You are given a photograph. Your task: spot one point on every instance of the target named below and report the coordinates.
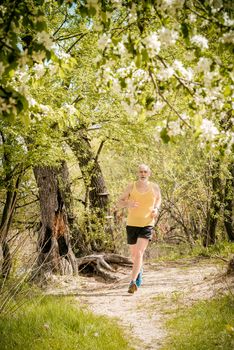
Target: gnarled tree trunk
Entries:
(97, 197)
(55, 252)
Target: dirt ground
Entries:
(166, 286)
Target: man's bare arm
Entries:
(158, 200)
(123, 201)
(158, 197)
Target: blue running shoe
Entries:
(139, 278)
(132, 287)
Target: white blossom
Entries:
(203, 64)
(227, 38)
(116, 86)
(70, 109)
(4, 107)
(132, 17)
(121, 48)
(200, 41)
(38, 56)
(167, 36)
(187, 73)
(131, 111)
(122, 72)
(158, 130)
(158, 106)
(209, 130)
(174, 128)
(63, 55)
(39, 70)
(45, 39)
(31, 101)
(103, 41)
(152, 43)
(23, 76)
(44, 108)
(227, 20)
(53, 69)
(184, 116)
(166, 73)
(192, 18)
(140, 76)
(231, 137)
(174, 4)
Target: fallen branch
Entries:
(100, 265)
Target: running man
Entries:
(143, 200)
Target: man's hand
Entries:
(154, 213)
(132, 204)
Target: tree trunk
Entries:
(230, 269)
(215, 205)
(91, 172)
(97, 196)
(13, 175)
(55, 252)
(229, 204)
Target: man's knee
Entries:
(139, 253)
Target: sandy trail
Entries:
(165, 287)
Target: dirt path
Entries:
(165, 287)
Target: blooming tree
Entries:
(168, 61)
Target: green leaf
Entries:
(185, 30)
(122, 83)
(197, 120)
(144, 55)
(227, 91)
(149, 102)
(92, 11)
(164, 135)
(25, 119)
(41, 26)
(138, 60)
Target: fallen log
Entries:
(104, 265)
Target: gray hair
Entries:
(145, 166)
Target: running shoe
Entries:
(132, 287)
(139, 278)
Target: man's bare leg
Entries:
(137, 252)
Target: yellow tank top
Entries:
(141, 215)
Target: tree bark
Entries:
(215, 205)
(13, 175)
(91, 172)
(55, 252)
(97, 196)
(229, 204)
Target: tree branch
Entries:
(165, 100)
(99, 150)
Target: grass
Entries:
(55, 323)
(207, 325)
(172, 252)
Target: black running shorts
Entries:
(133, 232)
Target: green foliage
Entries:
(57, 323)
(207, 325)
(221, 248)
(123, 73)
(165, 252)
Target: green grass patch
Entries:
(57, 323)
(208, 325)
(173, 252)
